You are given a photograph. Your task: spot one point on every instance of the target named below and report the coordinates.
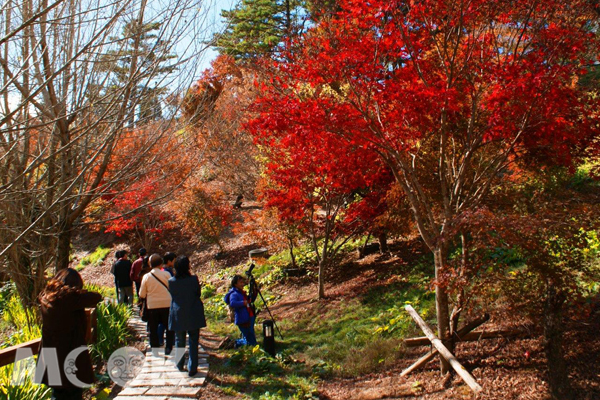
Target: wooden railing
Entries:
(8, 355)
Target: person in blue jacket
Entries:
(186, 315)
(244, 311)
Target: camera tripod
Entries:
(255, 289)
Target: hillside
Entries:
(332, 348)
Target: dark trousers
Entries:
(192, 352)
(159, 316)
(137, 289)
(71, 393)
(125, 295)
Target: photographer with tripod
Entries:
(245, 313)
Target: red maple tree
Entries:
(449, 94)
(135, 211)
(330, 190)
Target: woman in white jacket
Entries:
(155, 290)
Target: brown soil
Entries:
(500, 366)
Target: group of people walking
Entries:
(168, 291)
(169, 296)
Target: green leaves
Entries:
(256, 27)
(113, 331)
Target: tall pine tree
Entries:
(258, 27)
(144, 41)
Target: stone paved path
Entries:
(159, 379)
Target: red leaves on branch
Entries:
(133, 211)
(449, 95)
(446, 95)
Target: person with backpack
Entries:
(155, 291)
(243, 310)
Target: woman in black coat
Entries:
(187, 313)
(63, 303)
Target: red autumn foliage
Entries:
(147, 165)
(449, 95)
(330, 190)
(133, 211)
(203, 212)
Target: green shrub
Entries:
(304, 256)
(113, 331)
(208, 290)
(255, 361)
(24, 321)
(271, 378)
(108, 292)
(94, 258)
(18, 385)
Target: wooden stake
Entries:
(458, 336)
(431, 354)
(467, 337)
(471, 325)
(444, 352)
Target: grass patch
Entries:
(305, 256)
(16, 383)
(252, 372)
(344, 339)
(359, 335)
(94, 258)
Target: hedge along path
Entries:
(159, 378)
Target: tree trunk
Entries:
(63, 250)
(442, 308)
(145, 238)
(23, 281)
(362, 249)
(383, 246)
(292, 256)
(460, 298)
(558, 376)
(322, 279)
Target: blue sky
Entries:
(214, 10)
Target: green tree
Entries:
(144, 43)
(257, 27)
